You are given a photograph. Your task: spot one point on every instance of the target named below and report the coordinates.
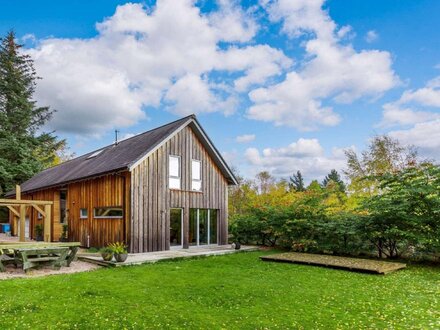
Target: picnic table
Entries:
(31, 254)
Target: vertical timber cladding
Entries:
(151, 198)
(109, 190)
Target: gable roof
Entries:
(123, 156)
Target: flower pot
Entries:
(237, 245)
(107, 256)
(121, 257)
(39, 238)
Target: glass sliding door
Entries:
(212, 226)
(193, 227)
(176, 221)
(202, 226)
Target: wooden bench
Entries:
(31, 255)
(6, 259)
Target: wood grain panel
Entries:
(152, 198)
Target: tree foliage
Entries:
(406, 212)
(24, 148)
(334, 176)
(399, 216)
(383, 155)
(296, 182)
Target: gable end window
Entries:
(196, 175)
(174, 172)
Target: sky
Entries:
(279, 85)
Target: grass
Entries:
(224, 292)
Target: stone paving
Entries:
(149, 257)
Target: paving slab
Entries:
(150, 257)
(353, 264)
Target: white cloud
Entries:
(231, 23)
(425, 136)
(406, 110)
(418, 110)
(371, 36)
(150, 56)
(331, 71)
(427, 96)
(258, 62)
(394, 115)
(246, 138)
(306, 155)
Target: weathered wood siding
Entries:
(152, 199)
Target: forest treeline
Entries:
(388, 206)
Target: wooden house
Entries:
(165, 188)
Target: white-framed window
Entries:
(83, 213)
(112, 212)
(196, 175)
(174, 172)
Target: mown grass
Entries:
(231, 292)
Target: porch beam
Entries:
(16, 213)
(35, 206)
(16, 202)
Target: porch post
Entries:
(47, 222)
(22, 223)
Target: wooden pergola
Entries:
(19, 207)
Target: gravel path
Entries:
(75, 267)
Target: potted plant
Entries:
(39, 233)
(119, 250)
(236, 237)
(63, 237)
(106, 253)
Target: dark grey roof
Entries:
(111, 159)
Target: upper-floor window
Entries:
(174, 172)
(196, 175)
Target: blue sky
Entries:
(278, 85)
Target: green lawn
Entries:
(232, 292)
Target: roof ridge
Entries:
(109, 145)
(153, 129)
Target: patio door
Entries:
(202, 227)
(176, 224)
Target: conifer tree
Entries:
(297, 182)
(336, 178)
(24, 148)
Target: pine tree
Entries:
(24, 149)
(336, 178)
(297, 182)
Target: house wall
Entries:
(109, 190)
(152, 199)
